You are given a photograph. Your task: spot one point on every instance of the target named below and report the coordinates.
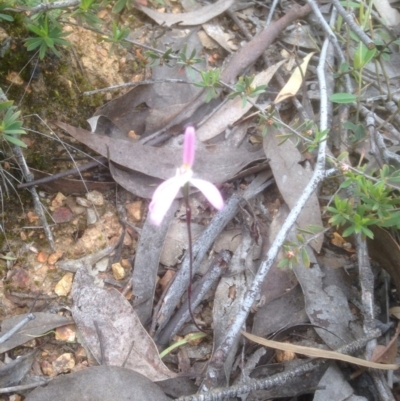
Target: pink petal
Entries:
(163, 197)
(210, 191)
(189, 147)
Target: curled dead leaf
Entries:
(318, 353)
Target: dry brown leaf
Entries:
(387, 12)
(197, 17)
(233, 109)
(386, 251)
(340, 242)
(295, 81)
(291, 178)
(388, 353)
(395, 311)
(112, 330)
(217, 164)
(318, 353)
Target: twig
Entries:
(249, 53)
(382, 123)
(353, 26)
(239, 23)
(217, 267)
(17, 327)
(279, 379)
(134, 84)
(22, 387)
(271, 12)
(49, 6)
(382, 387)
(366, 278)
(72, 171)
(375, 151)
(394, 110)
(221, 353)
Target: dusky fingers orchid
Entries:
(167, 191)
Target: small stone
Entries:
(80, 354)
(83, 202)
(62, 215)
(63, 287)
(66, 333)
(54, 257)
(32, 217)
(102, 14)
(126, 264)
(132, 134)
(64, 363)
(91, 216)
(96, 198)
(118, 271)
(47, 368)
(134, 210)
(42, 257)
(58, 200)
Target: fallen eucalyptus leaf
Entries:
(318, 353)
(233, 109)
(217, 163)
(197, 17)
(295, 81)
(291, 178)
(112, 330)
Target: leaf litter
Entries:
(113, 330)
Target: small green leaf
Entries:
(5, 257)
(6, 17)
(363, 56)
(348, 231)
(14, 141)
(343, 98)
(343, 156)
(119, 6)
(6, 105)
(367, 232)
(284, 263)
(305, 258)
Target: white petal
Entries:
(163, 197)
(210, 191)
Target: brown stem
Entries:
(249, 53)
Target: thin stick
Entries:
(72, 171)
(134, 84)
(353, 26)
(17, 327)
